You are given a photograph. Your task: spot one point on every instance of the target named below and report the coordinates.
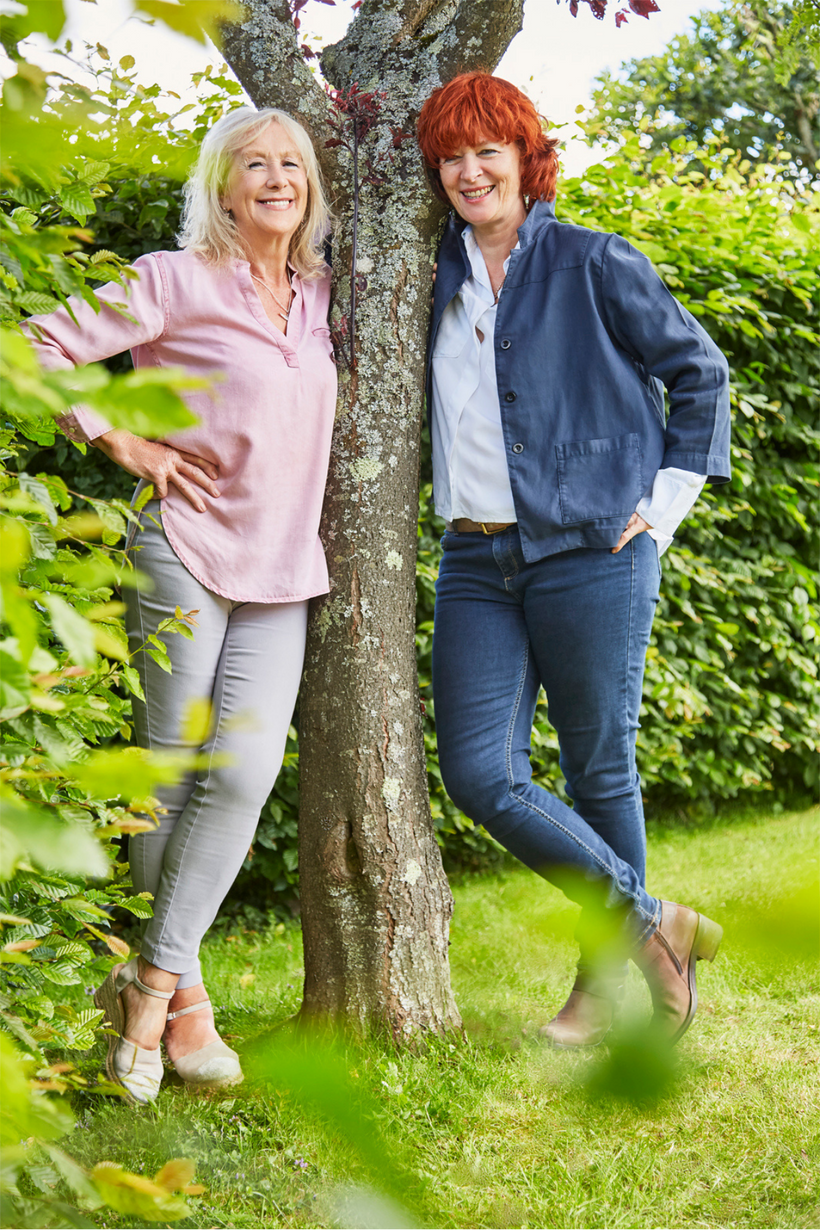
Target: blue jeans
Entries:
(577, 622)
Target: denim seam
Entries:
(573, 837)
(537, 810)
(514, 715)
(217, 727)
(506, 579)
(145, 690)
(629, 629)
(651, 927)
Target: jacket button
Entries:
(505, 345)
(509, 396)
(518, 448)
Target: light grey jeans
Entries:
(246, 659)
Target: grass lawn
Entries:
(498, 1129)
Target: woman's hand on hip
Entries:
(634, 526)
(160, 465)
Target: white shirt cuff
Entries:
(673, 494)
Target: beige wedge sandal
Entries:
(138, 1070)
(214, 1066)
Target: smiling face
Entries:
(483, 183)
(268, 190)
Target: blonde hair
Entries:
(209, 230)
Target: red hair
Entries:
(477, 105)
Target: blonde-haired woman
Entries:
(233, 537)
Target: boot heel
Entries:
(707, 940)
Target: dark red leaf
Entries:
(643, 7)
(620, 19)
(573, 7)
(333, 143)
(307, 52)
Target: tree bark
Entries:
(376, 905)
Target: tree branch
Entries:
(802, 118)
(430, 39)
(264, 53)
(481, 33)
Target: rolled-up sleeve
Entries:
(132, 315)
(659, 333)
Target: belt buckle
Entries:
(490, 533)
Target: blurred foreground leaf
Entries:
(785, 930)
(315, 1074)
(639, 1067)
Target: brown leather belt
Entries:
(465, 526)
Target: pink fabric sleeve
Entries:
(63, 345)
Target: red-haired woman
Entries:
(561, 481)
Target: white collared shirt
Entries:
(470, 475)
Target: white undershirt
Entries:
(470, 474)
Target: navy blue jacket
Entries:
(586, 336)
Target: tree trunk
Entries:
(376, 905)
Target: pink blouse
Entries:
(267, 424)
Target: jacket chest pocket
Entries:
(598, 479)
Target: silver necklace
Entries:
(284, 308)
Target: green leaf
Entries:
(73, 629)
(93, 172)
(128, 773)
(40, 1006)
(31, 834)
(39, 492)
(36, 302)
(74, 950)
(83, 910)
(72, 1173)
(27, 1114)
(144, 497)
(136, 1196)
(61, 973)
(138, 906)
(160, 656)
(15, 687)
(41, 17)
(77, 200)
(132, 680)
(196, 19)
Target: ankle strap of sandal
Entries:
(151, 991)
(205, 1003)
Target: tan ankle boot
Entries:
(587, 1016)
(668, 962)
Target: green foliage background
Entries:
(69, 786)
(727, 78)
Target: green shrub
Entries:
(66, 680)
